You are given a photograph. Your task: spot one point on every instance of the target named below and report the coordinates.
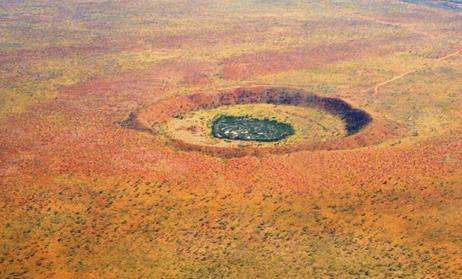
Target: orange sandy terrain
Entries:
(84, 197)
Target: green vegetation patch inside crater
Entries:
(250, 129)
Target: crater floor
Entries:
(246, 128)
(310, 125)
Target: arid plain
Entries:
(84, 196)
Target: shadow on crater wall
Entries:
(355, 119)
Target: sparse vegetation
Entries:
(83, 196)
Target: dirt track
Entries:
(377, 87)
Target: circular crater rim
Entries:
(361, 129)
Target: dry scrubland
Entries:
(83, 197)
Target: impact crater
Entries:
(258, 120)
